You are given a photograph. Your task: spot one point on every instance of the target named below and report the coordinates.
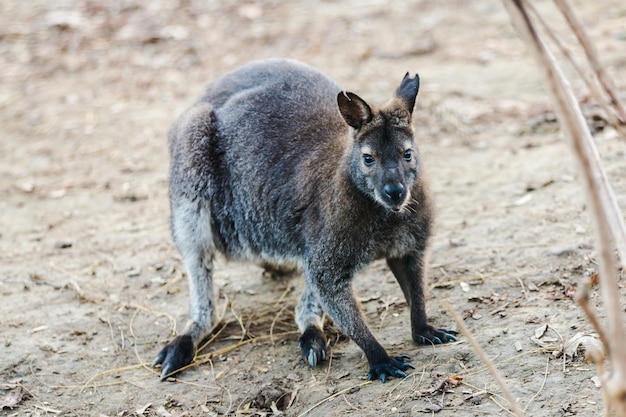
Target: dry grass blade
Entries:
(515, 410)
(599, 195)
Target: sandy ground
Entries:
(92, 286)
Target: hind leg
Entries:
(192, 234)
(191, 146)
(310, 320)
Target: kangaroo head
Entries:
(383, 159)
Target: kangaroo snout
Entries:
(395, 193)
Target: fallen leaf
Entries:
(275, 409)
(540, 331)
(589, 342)
(435, 408)
(13, 398)
(143, 409)
(596, 381)
(455, 380)
(163, 412)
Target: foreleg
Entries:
(409, 272)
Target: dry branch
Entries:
(592, 56)
(592, 84)
(599, 195)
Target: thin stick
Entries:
(592, 55)
(582, 298)
(343, 391)
(274, 323)
(492, 398)
(543, 384)
(485, 359)
(599, 196)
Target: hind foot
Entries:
(312, 343)
(175, 355)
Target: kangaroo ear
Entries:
(355, 111)
(407, 92)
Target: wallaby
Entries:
(276, 164)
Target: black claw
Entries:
(175, 355)
(429, 334)
(450, 338)
(391, 367)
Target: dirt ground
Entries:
(92, 286)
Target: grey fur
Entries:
(265, 168)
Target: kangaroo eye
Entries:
(368, 160)
(408, 154)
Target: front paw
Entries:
(390, 367)
(430, 335)
(175, 355)
(312, 343)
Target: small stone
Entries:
(62, 244)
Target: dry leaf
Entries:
(13, 398)
(275, 409)
(596, 381)
(455, 380)
(540, 331)
(143, 409)
(590, 342)
(163, 412)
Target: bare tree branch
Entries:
(599, 195)
(592, 55)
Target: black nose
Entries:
(394, 192)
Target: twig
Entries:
(543, 384)
(523, 288)
(200, 359)
(330, 364)
(107, 321)
(131, 329)
(582, 298)
(240, 321)
(274, 322)
(343, 391)
(592, 55)
(485, 359)
(492, 398)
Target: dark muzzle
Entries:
(394, 194)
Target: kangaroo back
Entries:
(280, 137)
